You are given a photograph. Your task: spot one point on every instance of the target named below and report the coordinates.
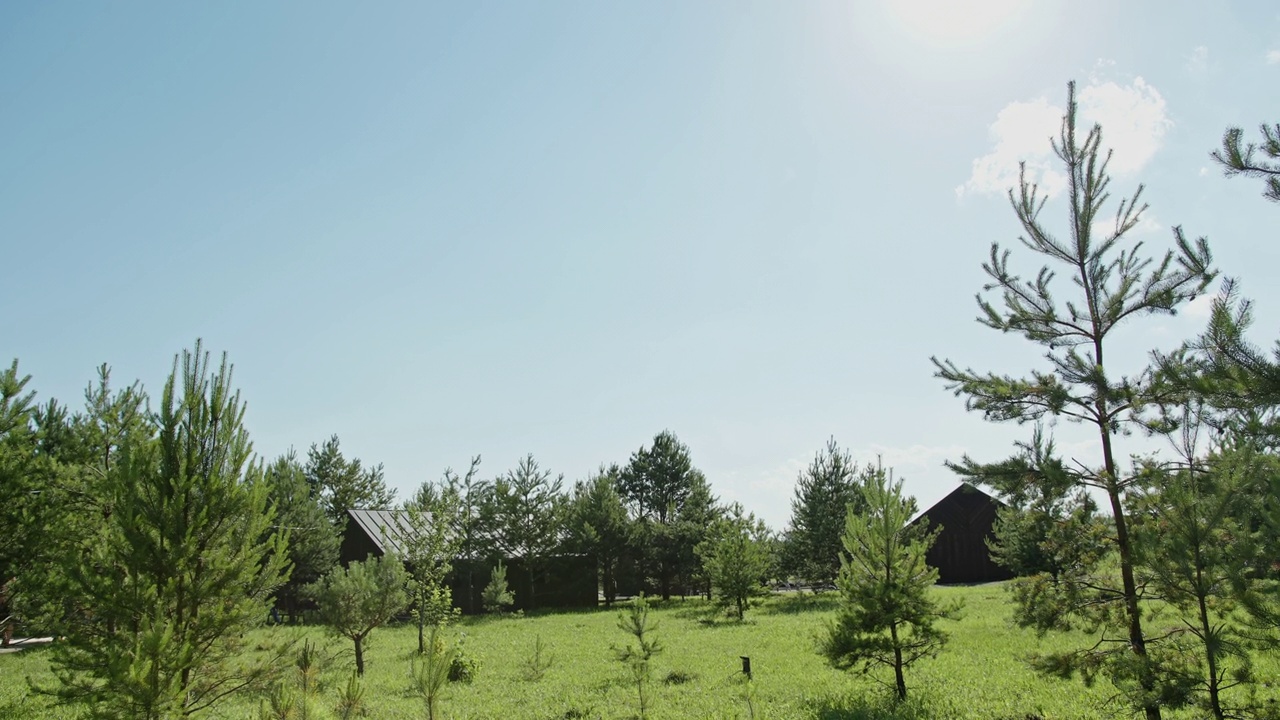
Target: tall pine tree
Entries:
(887, 617)
(343, 484)
(599, 526)
(162, 604)
(1111, 282)
(313, 542)
(657, 482)
(824, 494)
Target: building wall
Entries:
(960, 553)
(567, 581)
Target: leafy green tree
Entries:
(824, 493)
(161, 605)
(886, 617)
(429, 549)
(599, 526)
(313, 543)
(1110, 284)
(343, 484)
(736, 555)
(1238, 158)
(656, 483)
(361, 597)
(528, 510)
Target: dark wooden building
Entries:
(563, 581)
(967, 517)
(373, 532)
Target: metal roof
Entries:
(389, 529)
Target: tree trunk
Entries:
(1137, 641)
(422, 621)
(900, 682)
(1211, 657)
(359, 654)
(610, 587)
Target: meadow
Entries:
(980, 674)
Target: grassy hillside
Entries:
(979, 675)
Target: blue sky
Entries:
(441, 230)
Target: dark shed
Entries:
(562, 581)
(960, 553)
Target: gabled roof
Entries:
(390, 530)
(963, 489)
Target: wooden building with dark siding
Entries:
(960, 553)
(563, 581)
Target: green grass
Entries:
(980, 674)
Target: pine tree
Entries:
(429, 549)
(886, 617)
(638, 657)
(313, 544)
(824, 493)
(599, 526)
(1238, 158)
(656, 483)
(343, 484)
(1111, 284)
(736, 556)
(357, 599)
(694, 522)
(76, 453)
(183, 570)
(496, 596)
(23, 513)
(470, 527)
(527, 512)
(1196, 551)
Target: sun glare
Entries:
(955, 23)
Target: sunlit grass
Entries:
(980, 674)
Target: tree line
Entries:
(147, 533)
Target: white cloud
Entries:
(1133, 118)
(1273, 57)
(904, 459)
(1198, 63)
(1021, 132)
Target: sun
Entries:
(955, 23)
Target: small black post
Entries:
(746, 666)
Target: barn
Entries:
(967, 517)
(564, 581)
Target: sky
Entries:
(441, 230)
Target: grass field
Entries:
(980, 674)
